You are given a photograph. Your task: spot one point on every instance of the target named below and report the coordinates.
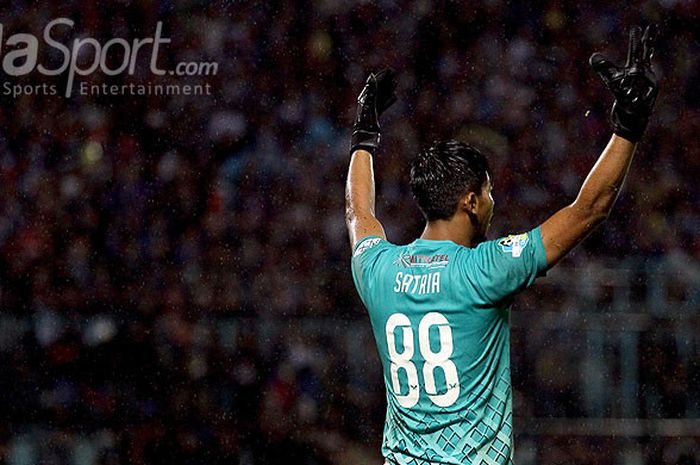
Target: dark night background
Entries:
(174, 270)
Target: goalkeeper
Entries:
(439, 306)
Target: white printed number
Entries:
(433, 360)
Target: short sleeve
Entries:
(501, 268)
(365, 256)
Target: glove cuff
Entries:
(625, 134)
(628, 124)
(365, 140)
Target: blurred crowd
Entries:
(149, 244)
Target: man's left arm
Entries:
(359, 199)
(375, 98)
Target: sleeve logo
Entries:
(368, 244)
(514, 244)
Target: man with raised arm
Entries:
(439, 306)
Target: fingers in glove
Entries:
(648, 40)
(386, 81)
(634, 52)
(386, 87)
(604, 68)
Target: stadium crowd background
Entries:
(174, 271)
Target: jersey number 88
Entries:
(440, 359)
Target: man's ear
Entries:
(470, 203)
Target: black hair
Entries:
(443, 173)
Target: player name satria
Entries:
(428, 283)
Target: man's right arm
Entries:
(570, 225)
(635, 90)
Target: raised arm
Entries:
(359, 199)
(635, 89)
(377, 95)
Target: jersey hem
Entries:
(540, 253)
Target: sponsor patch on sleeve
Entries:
(366, 245)
(514, 244)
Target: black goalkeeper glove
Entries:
(634, 85)
(377, 95)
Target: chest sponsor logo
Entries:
(422, 261)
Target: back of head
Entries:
(443, 173)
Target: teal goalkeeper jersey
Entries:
(440, 317)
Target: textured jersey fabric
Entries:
(440, 317)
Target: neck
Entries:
(450, 230)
